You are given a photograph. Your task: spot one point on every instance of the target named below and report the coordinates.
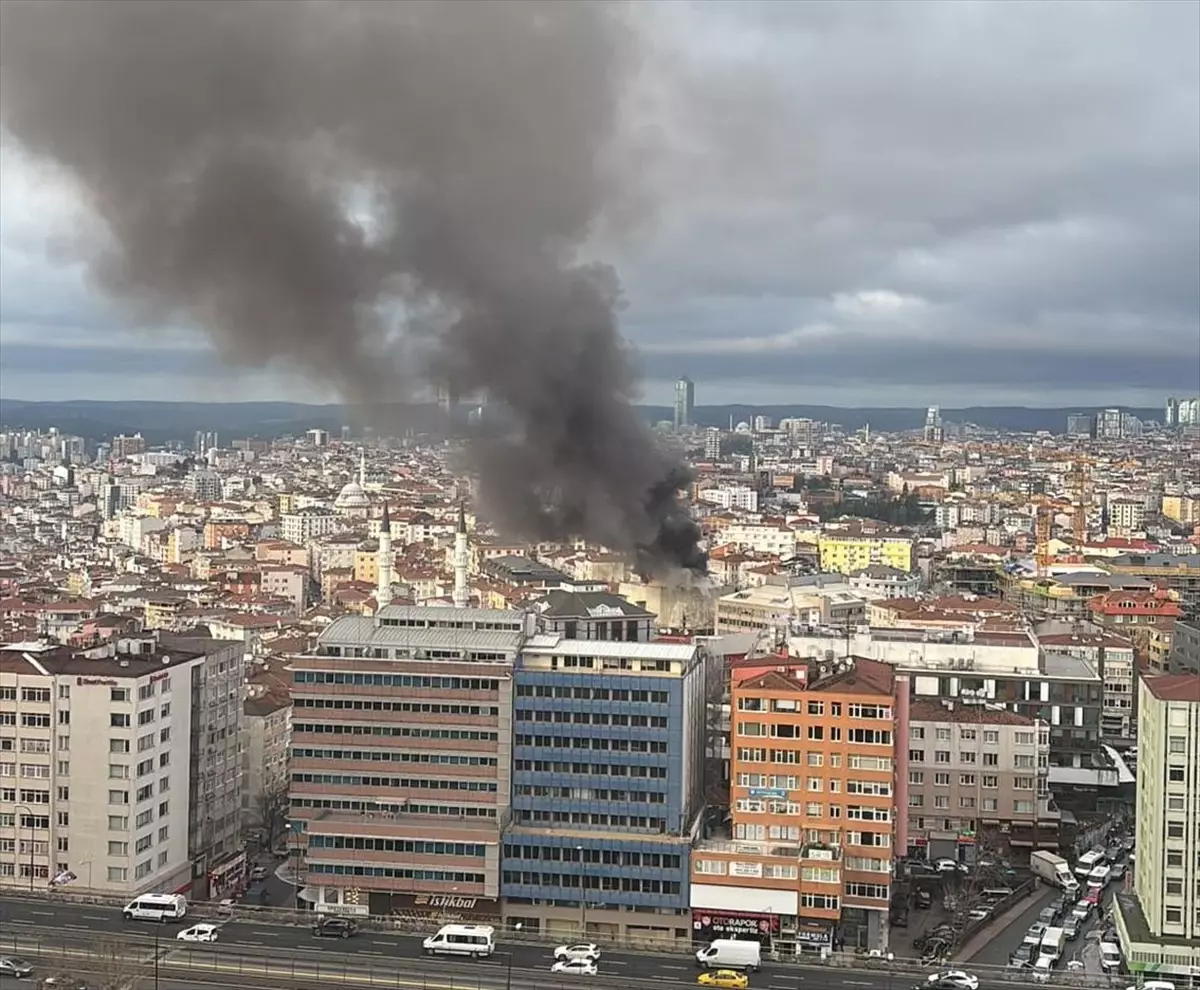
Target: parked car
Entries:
(953, 979)
(258, 873)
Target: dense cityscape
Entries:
(980, 647)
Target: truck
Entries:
(1053, 940)
(1053, 869)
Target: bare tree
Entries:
(272, 811)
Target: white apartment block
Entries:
(305, 524)
(94, 766)
(1167, 878)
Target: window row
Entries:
(591, 694)
(415, 847)
(589, 742)
(397, 681)
(589, 769)
(392, 756)
(393, 731)
(573, 881)
(404, 707)
(411, 783)
(599, 856)
(590, 718)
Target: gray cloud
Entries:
(1029, 170)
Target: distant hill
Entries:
(160, 422)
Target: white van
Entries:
(462, 940)
(156, 907)
(731, 953)
(1110, 957)
(1042, 969)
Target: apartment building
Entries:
(266, 740)
(215, 826)
(976, 771)
(401, 756)
(607, 787)
(94, 766)
(1008, 667)
(848, 553)
(1159, 922)
(1113, 657)
(810, 852)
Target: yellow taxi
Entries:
(727, 979)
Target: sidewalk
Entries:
(987, 934)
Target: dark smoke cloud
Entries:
(221, 143)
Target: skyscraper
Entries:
(1171, 413)
(933, 425)
(685, 402)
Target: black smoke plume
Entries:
(229, 146)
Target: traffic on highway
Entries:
(302, 956)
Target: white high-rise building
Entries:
(95, 753)
(1167, 901)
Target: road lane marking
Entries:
(97, 917)
(42, 914)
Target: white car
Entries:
(579, 950)
(955, 978)
(198, 933)
(1153, 985)
(574, 967)
(949, 866)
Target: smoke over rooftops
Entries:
(221, 142)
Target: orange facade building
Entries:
(813, 800)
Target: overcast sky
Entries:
(851, 204)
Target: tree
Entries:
(109, 964)
(273, 811)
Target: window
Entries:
(118, 848)
(118, 771)
(118, 823)
(1176, 775)
(916, 732)
(164, 734)
(942, 756)
(119, 721)
(119, 694)
(916, 777)
(118, 745)
(941, 780)
(966, 756)
(991, 737)
(1177, 745)
(143, 869)
(118, 797)
(815, 759)
(1176, 802)
(989, 780)
(1174, 857)
(941, 801)
(1173, 916)
(1023, 762)
(916, 800)
(1174, 830)
(816, 733)
(916, 756)
(1174, 886)
(991, 759)
(117, 874)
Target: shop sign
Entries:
(710, 925)
(445, 902)
(778, 793)
(97, 681)
(737, 869)
(813, 934)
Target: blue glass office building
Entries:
(608, 749)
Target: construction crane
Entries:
(1043, 523)
(1077, 482)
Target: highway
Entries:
(253, 954)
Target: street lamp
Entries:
(25, 808)
(582, 898)
(294, 845)
(508, 979)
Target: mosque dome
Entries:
(351, 497)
